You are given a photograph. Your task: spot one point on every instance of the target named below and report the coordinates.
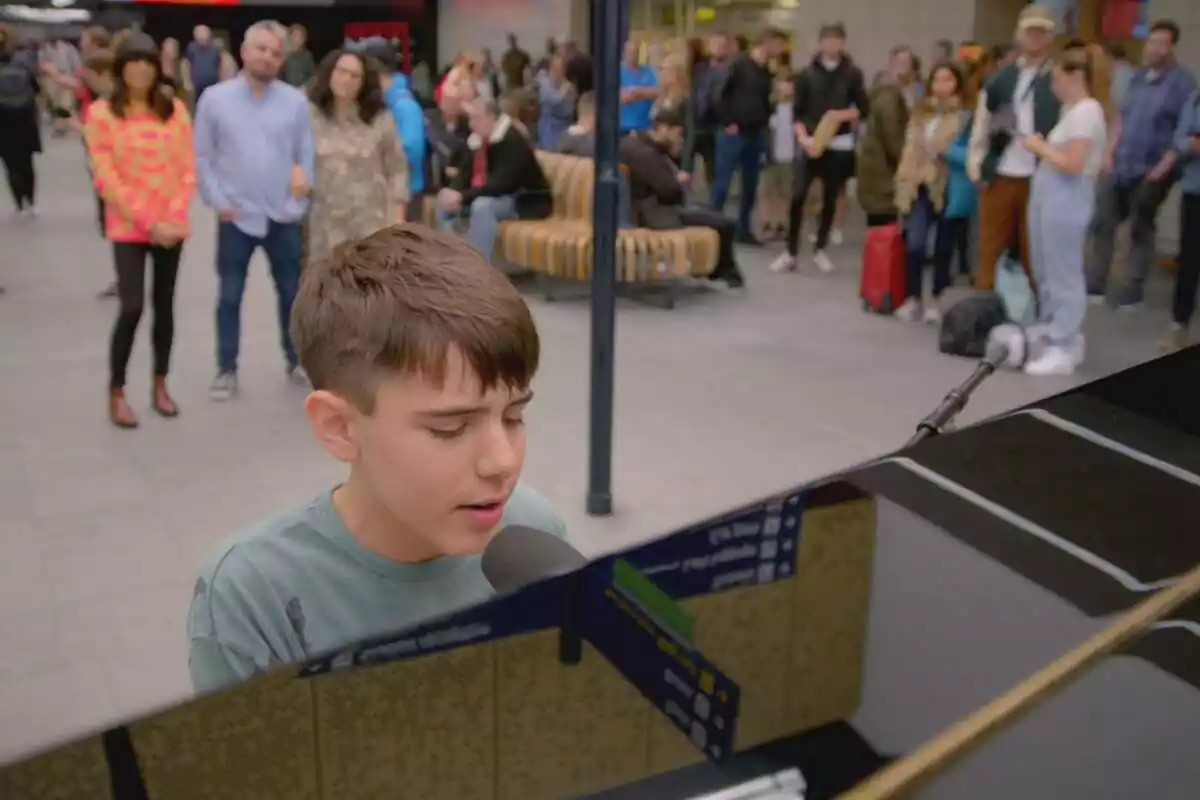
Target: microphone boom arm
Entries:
(953, 403)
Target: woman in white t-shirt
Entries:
(1060, 209)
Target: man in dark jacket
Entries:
(744, 109)
(203, 57)
(831, 86)
(656, 192)
(497, 178)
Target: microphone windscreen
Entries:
(1006, 346)
(518, 556)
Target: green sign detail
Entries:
(654, 601)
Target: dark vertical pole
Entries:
(607, 41)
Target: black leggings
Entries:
(130, 258)
(834, 168)
(22, 179)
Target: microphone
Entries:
(518, 556)
(1007, 346)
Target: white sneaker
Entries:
(909, 311)
(1052, 361)
(823, 262)
(933, 315)
(785, 262)
(224, 387)
(1078, 351)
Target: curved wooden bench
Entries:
(560, 246)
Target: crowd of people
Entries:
(1034, 156)
(1014, 158)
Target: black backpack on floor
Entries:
(967, 323)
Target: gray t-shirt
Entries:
(299, 585)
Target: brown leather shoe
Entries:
(161, 399)
(119, 411)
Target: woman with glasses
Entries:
(361, 182)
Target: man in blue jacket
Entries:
(410, 122)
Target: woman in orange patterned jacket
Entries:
(140, 141)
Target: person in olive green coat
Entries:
(882, 142)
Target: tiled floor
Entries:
(729, 397)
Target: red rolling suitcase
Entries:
(884, 267)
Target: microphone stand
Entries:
(954, 403)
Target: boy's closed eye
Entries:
(510, 421)
(453, 422)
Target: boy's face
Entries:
(441, 461)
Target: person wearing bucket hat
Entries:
(147, 191)
(1018, 101)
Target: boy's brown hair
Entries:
(396, 302)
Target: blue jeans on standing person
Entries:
(1060, 212)
(234, 250)
(484, 218)
(736, 151)
(922, 223)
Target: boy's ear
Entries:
(331, 418)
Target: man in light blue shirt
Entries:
(639, 90)
(254, 166)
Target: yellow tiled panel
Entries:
(564, 731)
(254, 741)
(746, 633)
(76, 771)
(421, 729)
(831, 596)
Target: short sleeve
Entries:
(229, 624)
(1094, 125)
(1084, 121)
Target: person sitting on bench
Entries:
(580, 138)
(497, 178)
(656, 193)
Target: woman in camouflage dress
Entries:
(361, 180)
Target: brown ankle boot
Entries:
(161, 399)
(119, 411)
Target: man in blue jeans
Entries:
(743, 107)
(254, 164)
